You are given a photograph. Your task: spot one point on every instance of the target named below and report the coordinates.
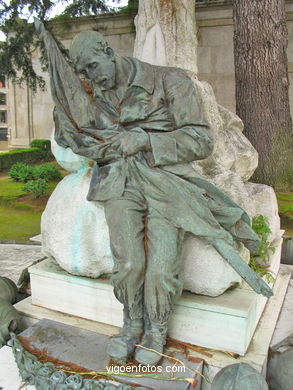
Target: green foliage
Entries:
(16, 51)
(261, 270)
(44, 144)
(21, 172)
(85, 7)
(47, 172)
(131, 8)
(29, 155)
(37, 188)
(260, 225)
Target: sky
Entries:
(59, 8)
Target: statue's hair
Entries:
(86, 41)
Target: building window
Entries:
(3, 117)
(3, 133)
(2, 99)
(2, 82)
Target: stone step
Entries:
(87, 349)
(225, 322)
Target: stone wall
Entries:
(31, 114)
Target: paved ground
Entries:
(14, 258)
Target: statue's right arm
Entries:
(191, 138)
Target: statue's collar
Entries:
(142, 74)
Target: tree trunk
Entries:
(262, 84)
(166, 33)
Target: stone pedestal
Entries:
(226, 322)
(256, 354)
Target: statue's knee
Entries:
(135, 269)
(155, 275)
(115, 213)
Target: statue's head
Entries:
(92, 56)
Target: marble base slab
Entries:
(284, 326)
(256, 354)
(226, 322)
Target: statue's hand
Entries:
(265, 290)
(131, 142)
(39, 26)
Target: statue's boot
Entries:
(154, 338)
(120, 347)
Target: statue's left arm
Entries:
(191, 138)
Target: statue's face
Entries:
(99, 67)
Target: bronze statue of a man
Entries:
(143, 126)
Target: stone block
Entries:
(256, 354)
(87, 350)
(217, 36)
(204, 60)
(225, 322)
(223, 60)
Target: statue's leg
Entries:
(162, 284)
(125, 218)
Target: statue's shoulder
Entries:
(157, 69)
(150, 76)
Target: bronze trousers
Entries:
(147, 252)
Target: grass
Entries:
(20, 215)
(10, 190)
(19, 225)
(285, 203)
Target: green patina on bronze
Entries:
(8, 290)
(239, 377)
(9, 318)
(9, 321)
(143, 126)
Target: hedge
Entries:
(44, 144)
(29, 155)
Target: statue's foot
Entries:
(154, 342)
(120, 347)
